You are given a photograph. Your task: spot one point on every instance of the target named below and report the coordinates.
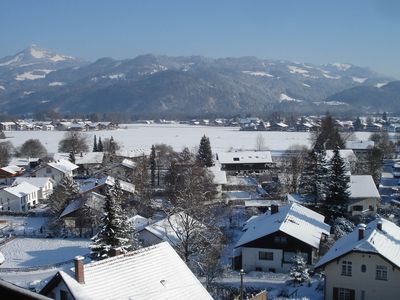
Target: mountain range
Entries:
(35, 79)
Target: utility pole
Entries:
(241, 283)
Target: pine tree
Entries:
(100, 146)
(358, 124)
(71, 157)
(112, 150)
(204, 156)
(338, 183)
(153, 165)
(308, 178)
(299, 271)
(117, 230)
(322, 170)
(95, 149)
(2, 135)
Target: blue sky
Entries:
(363, 32)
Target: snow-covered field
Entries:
(176, 135)
(24, 225)
(32, 252)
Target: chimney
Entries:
(379, 225)
(79, 269)
(115, 252)
(274, 209)
(361, 231)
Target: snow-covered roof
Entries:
(148, 273)
(261, 203)
(23, 162)
(245, 157)
(84, 158)
(39, 182)
(108, 180)
(385, 242)
(293, 219)
(12, 169)
(347, 154)
(359, 145)
(219, 175)
(22, 189)
(63, 165)
(363, 186)
(163, 229)
(280, 124)
(138, 222)
(132, 153)
(74, 205)
(128, 163)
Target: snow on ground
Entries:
(24, 225)
(294, 69)
(359, 79)
(284, 97)
(56, 83)
(2, 88)
(380, 84)
(258, 73)
(178, 136)
(32, 252)
(330, 76)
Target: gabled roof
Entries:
(363, 186)
(385, 242)
(138, 222)
(22, 189)
(245, 157)
(12, 169)
(39, 182)
(87, 158)
(163, 229)
(93, 183)
(155, 272)
(293, 219)
(63, 165)
(11, 291)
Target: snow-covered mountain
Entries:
(36, 79)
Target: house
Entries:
(280, 126)
(6, 126)
(271, 240)
(8, 173)
(245, 161)
(44, 184)
(364, 264)
(99, 185)
(19, 198)
(56, 170)
(165, 229)
(364, 196)
(81, 216)
(86, 161)
(155, 272)
(28, 163)
(219, 178)
(139, 223)
(360, 148)
(133, 153)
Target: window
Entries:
(346, 268)
(381, 273)
(236, 159)
(363, 268)
(280, 239)
(346, 294)
(63, 295)
(48, 170)
(357, 208)
(362, 295)
(265, 255)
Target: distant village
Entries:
(321, 223)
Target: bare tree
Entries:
(32, 148)
(73, 142)
(5, 153)
(260, 142)
(142, 182)
(292, 167)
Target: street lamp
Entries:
(241, 283)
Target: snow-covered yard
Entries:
(32, 252)
(23, 225)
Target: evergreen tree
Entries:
(100, 146)
(2, 135)
(338, 183)
(298, 270)
(321, 176)
(153, 165)
(384, 116)
(328, 136)
(95, 149)
(112, 150)
(308, 178)
(204, 156)
(63, 193)
(71, 157)
(117, 230)
(358, 125)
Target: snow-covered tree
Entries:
(153, 165)
(71, 157)
(117, 230)
(95, 148)
(338, 183)
(342, 226)
(321, 175)
(298, 270)
(204, 156)
(100, 145)
(308, 179)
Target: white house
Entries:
(86, 161)
(245, 161)
(19, 198)
(57, 170)
(270, 240)
(44, 184)
(364, 264)
(155, 272)
(364, 196)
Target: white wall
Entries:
(359, 281)
(251, 261)
(55, 174)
